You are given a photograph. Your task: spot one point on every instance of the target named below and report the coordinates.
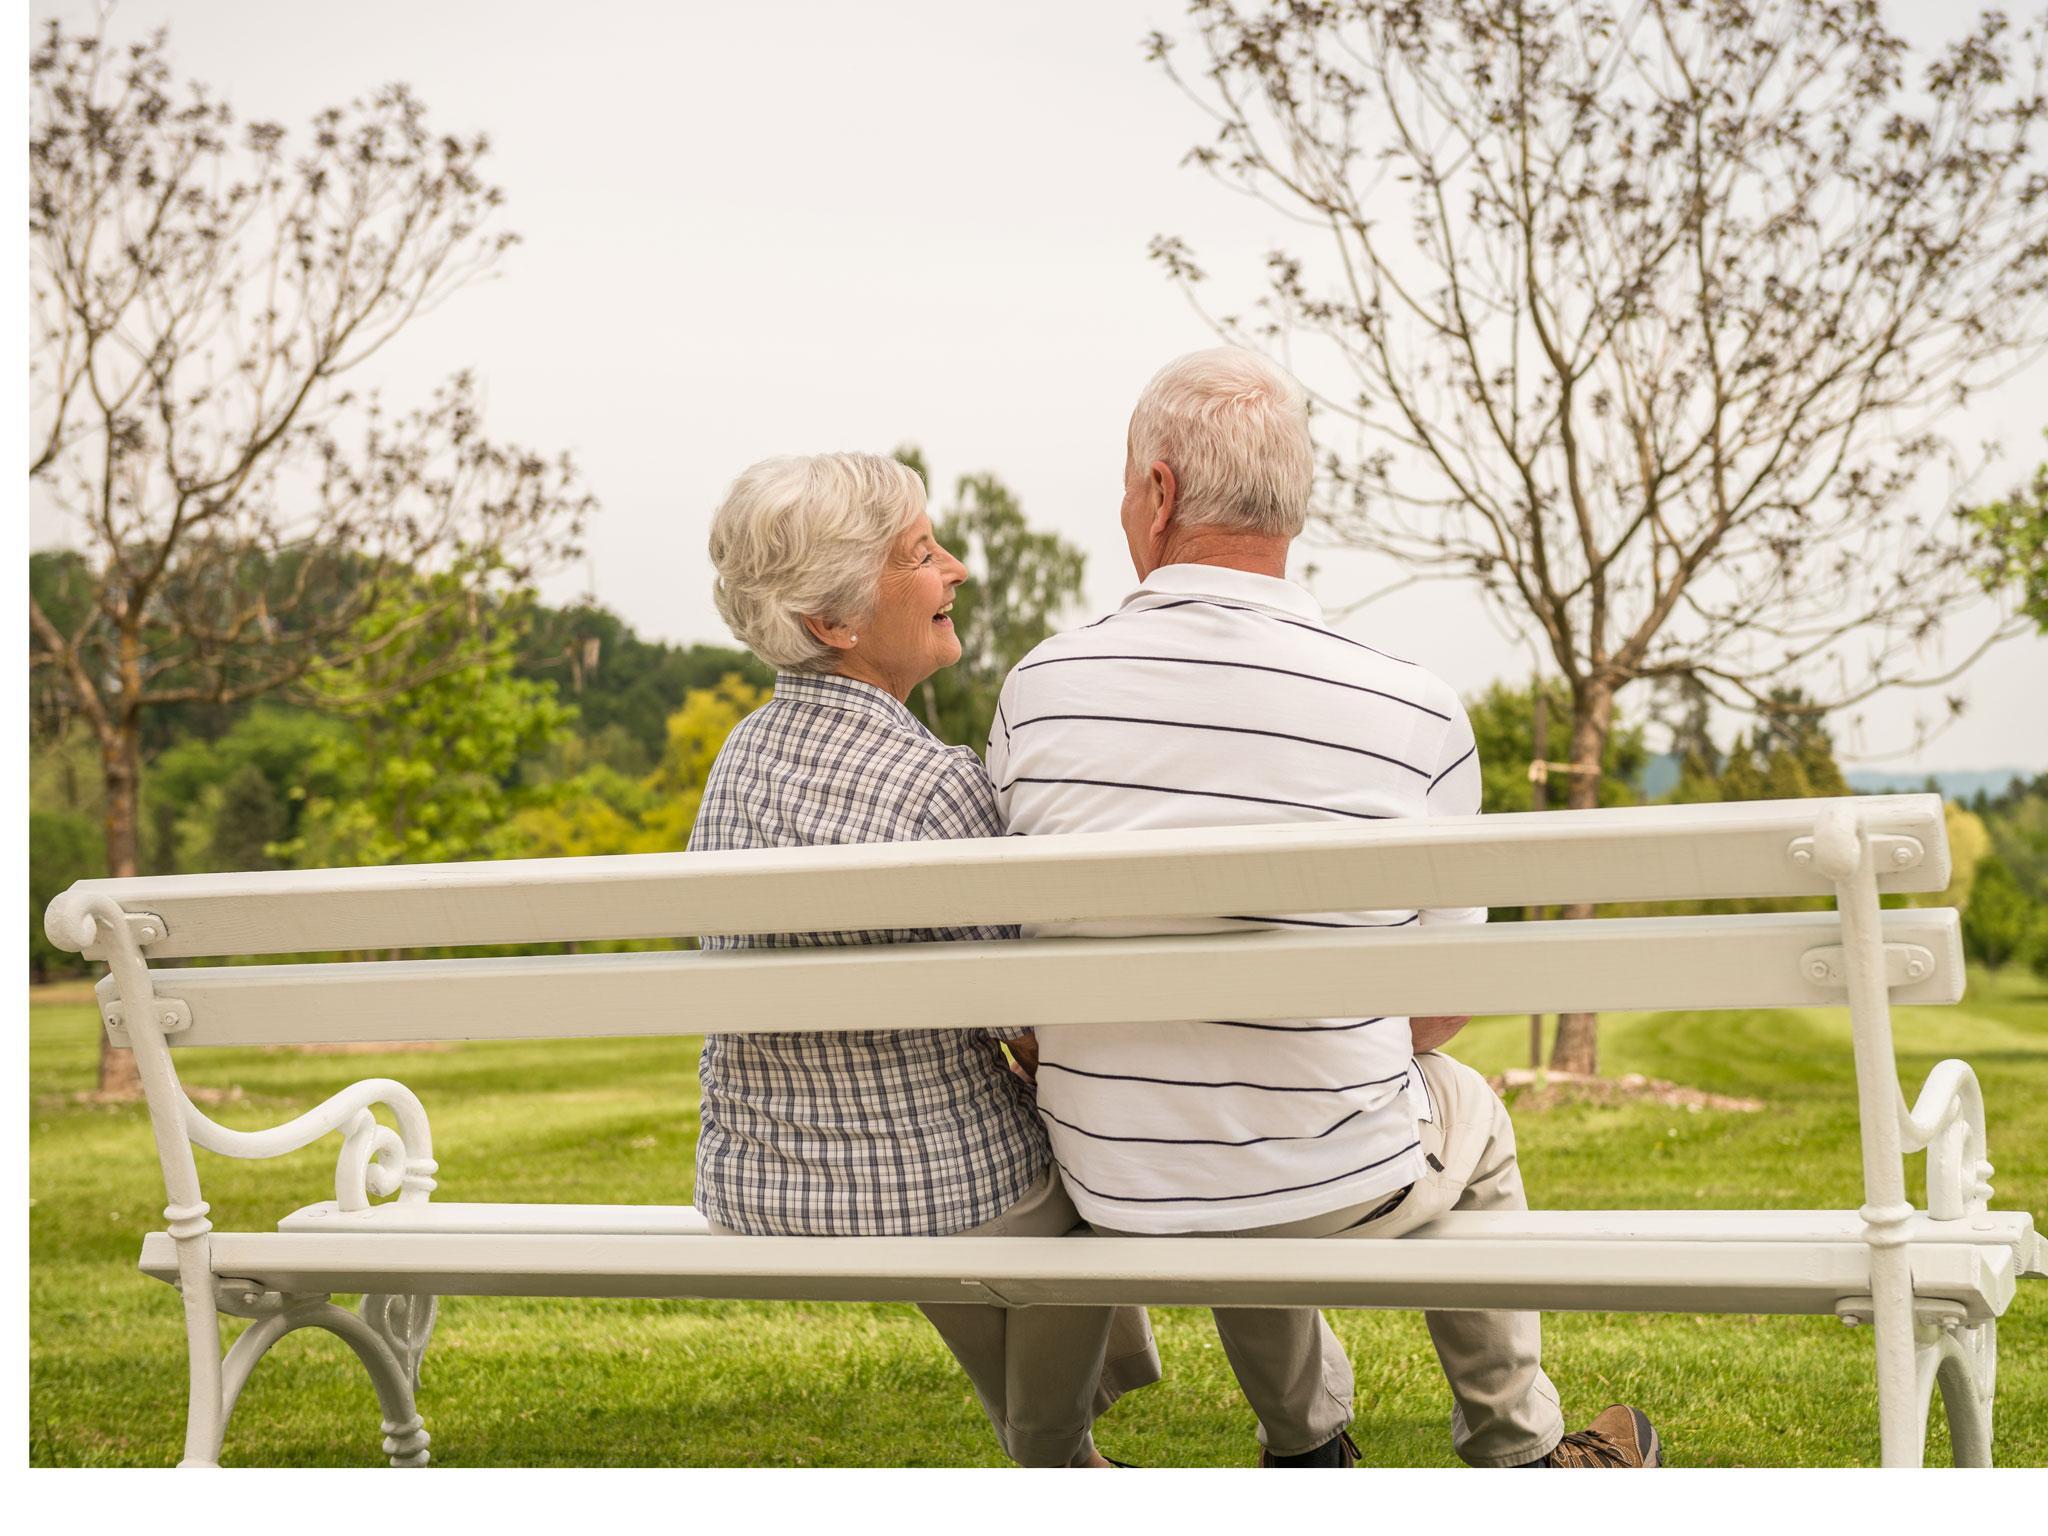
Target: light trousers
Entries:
(1296, 1375)
(1044, 1375)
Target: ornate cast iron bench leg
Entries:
(389, 1336)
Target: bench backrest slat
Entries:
(1755, 961)
(1648, 853)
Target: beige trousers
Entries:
(1294, 1372)
(1044, 1375)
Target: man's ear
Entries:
(1166, 496)
(827, 632)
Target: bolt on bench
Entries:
(1934, 1283)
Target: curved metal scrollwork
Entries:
(375, 1160)
(405, 1324)
(1963, 1361)
(393, 1366)
(1948, 1121)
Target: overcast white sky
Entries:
(791, 227)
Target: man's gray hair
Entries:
(807, 535)
(1233, 428)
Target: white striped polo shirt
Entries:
(1216, 697)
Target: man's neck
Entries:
(1262, 554)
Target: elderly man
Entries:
(1218, 695)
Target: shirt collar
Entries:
(1225, 584)
(831, 691)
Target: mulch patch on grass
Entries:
(1528, 1089)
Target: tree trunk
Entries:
(121, 764)
(1577, 1045)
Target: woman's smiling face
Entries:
(910, 634)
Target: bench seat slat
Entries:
(1544, 1274)
(447, 1216)
(1749, 961)
(1634, 853)
(461, 1216)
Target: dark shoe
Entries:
(1620, 1437)
(1340, 1452)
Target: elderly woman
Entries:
(828, 571)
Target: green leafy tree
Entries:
(63, 772)
(2012, 538)
(2018, 824)
(441, 765)
(1969, 844)
(276, 758)
(1023, 581)
(1999, 923)
(597, 811)
(696, 735)
(624, 686)
(1503, 724)
(63, 846)
(1788, 755)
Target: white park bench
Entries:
(1933, 1282)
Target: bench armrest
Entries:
(375, 1160)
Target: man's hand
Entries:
(1024, 1056)
(1428, 1033)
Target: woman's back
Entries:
(882, 1132)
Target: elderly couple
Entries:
(1216, 695)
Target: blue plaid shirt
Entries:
(875, 1132)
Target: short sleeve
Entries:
(998, 754)
(1454, 780)
(1454, 790)
(961, 804)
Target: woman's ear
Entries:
(839, 636)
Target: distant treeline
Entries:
(570, 734)
(566, 723)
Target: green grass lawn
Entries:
(545, 1382)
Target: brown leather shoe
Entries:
(1620, 1437)
(1340, 1452)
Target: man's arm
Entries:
(997, 756)
(1434, 1032)
(1454, 790)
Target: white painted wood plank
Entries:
(463, 1216)
(1766, 1277)
(1751, 961)
(2012, 1228)
(1635, 853)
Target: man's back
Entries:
(1216, 697)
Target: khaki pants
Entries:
(1044, 1375)
(1294, 1372)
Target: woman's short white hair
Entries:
(807, 535)
(1233, 428)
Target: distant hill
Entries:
(1955, 784)
(1660, 776)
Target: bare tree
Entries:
(200, 297)
(1643, 321)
